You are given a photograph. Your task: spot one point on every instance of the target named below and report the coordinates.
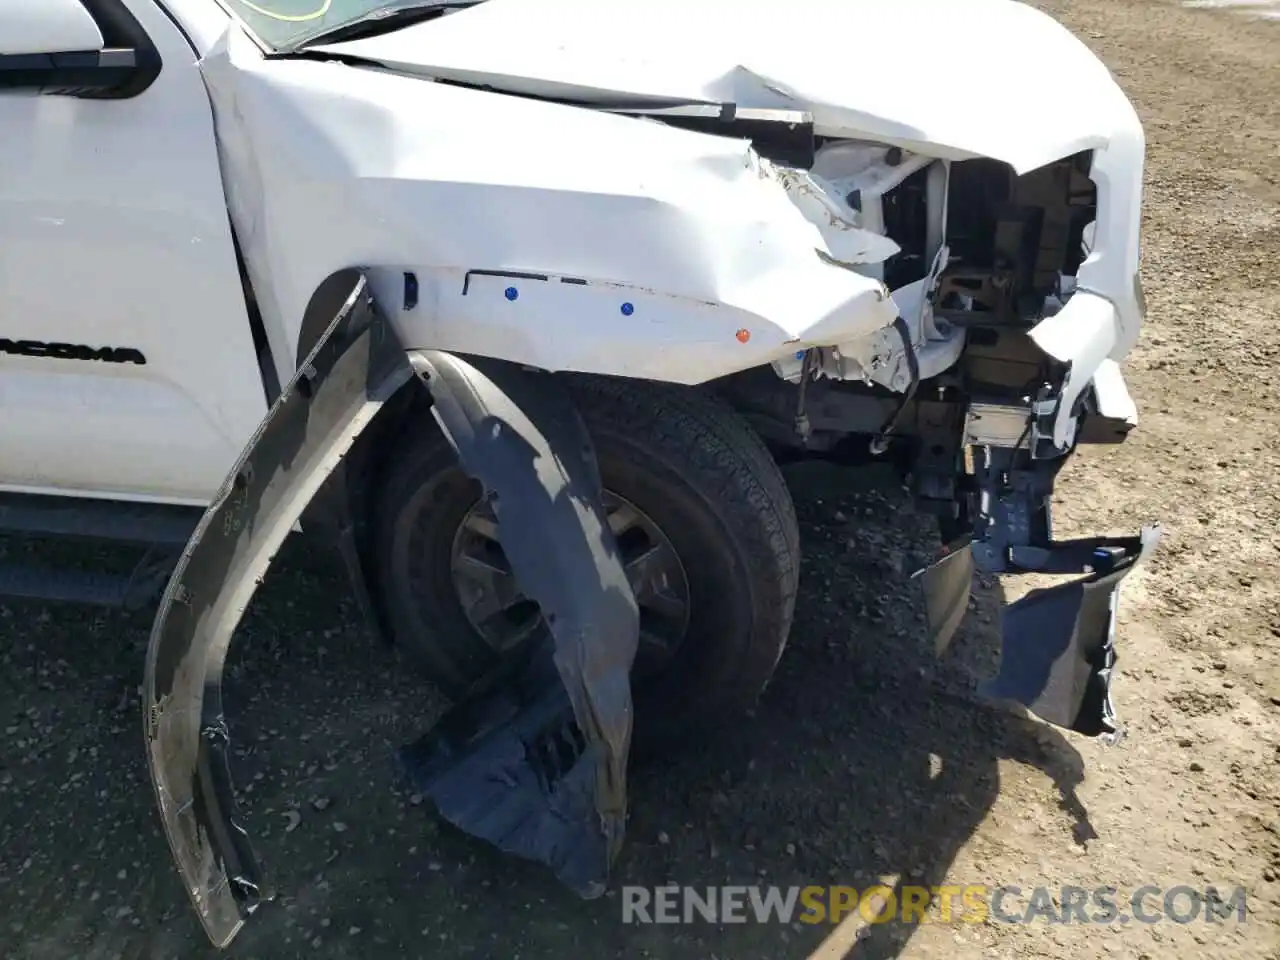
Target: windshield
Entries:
(280, 23)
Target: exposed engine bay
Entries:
(977, 257)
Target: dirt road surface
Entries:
(865, 759)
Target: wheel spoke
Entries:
(650, 575)
(482, 523)
(486, 589)
(655, 649)
(645, 566)
(663, 611)
(667, 605)
(501, 613)
(622, 517)
(653, 646)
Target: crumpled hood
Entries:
(989, 78)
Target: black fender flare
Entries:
(354, 369)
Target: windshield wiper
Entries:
(384, 19)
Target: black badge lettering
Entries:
(71, 351)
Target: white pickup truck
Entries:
(520, 303)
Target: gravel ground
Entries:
(865, 758)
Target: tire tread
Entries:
(721, 456)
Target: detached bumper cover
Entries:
(1058, 651)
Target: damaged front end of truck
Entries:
(855, 267)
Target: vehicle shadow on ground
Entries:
(866, 759)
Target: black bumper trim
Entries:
(1058, 651)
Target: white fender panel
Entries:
(685, 256)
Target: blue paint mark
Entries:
(628, 309)
(799, 354)
(511, 293)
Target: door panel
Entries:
(127, 364)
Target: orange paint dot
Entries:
(743, 335)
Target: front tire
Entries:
(709, 499)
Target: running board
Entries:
(131, 591)
(119, 521)
(64, 586)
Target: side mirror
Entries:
(87, 48)
(47, 27)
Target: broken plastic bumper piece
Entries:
(1058, 649)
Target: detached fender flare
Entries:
(354, 369)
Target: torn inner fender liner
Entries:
(535, 759)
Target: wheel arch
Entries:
(340, 513)
(343, 512)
